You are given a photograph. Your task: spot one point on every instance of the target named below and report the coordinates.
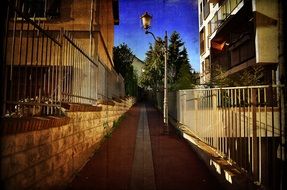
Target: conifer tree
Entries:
(152, 77)
(174, 51)
(186, 78)
(180, 73)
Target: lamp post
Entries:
(146, 22)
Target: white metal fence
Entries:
(45, 68)
(244, 124)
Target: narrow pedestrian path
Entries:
(139, 155)
(143, 171)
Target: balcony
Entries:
(223, 13)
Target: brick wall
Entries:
(45, 153)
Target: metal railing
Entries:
(79, 84)
(45, 68)
(246, 125)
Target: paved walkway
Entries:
(139, 156)
(142, 176)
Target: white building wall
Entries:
(213, 9)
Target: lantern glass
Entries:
(146, 20)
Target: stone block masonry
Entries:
(45, 153)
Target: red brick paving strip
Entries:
(143, 172)
(176, 165)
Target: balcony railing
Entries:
(223, 13)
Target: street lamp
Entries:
(146, 23)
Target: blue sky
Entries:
(168, 15)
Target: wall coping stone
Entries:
(10, 126)
(73, 107)
(106, 102)
(118, 100)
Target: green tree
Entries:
(181, 75)
(174, 56)
(185, 77)
(123, 58)
(152, 77)
(251, 76)
(219, 79)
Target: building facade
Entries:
(59, 51)
(236, 35)
(90, 22)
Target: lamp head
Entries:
(146, 20)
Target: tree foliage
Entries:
(186, 77)
(180, 73)
(175, 55)
(152, 77)
(249, 77)
(123, 58)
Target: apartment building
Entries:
(238, 34)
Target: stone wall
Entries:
(47, 152)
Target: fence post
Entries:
(61, 80)
(254, 135)
(215, 119)
(197, 102)
(184, 107)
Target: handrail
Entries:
(230, 88)
(80, 50)
(106, 49)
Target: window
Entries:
(222, 13)
(227, 8)
(200, 14)
(232, 4)
(42, 8)
(204, 2)
(207, 64)
(209, 29)
(214, 23)
(201, 7)
(206, 9)
(202, 41)
(202, 67)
